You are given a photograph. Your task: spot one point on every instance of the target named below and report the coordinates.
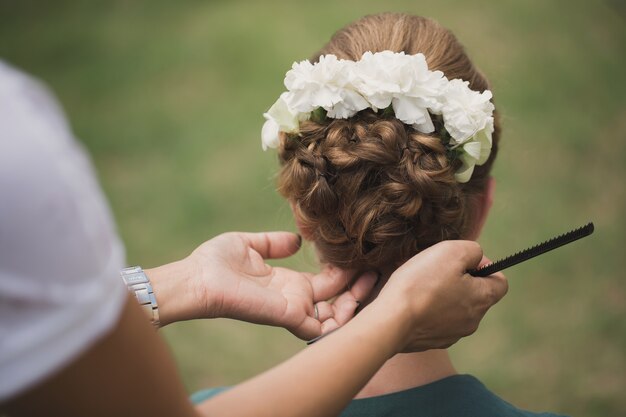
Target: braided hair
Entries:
(370, 191)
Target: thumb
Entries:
(273, 245)
(493, 287)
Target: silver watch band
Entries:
(137, 282)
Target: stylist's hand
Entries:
(435, 299)
(227, 277)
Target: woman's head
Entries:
(371, 191)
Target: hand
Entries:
(227, 277)
(437, 299)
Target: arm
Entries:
(129, 372)
(430, 302)
(322, 379)
(227, 277)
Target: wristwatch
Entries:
(138, 283)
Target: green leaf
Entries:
(318, 115)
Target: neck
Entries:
(408, 370)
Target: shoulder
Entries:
(458, 395)
(51, 203)
(60, 255)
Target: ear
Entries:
(484, 206)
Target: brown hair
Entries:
(370, 191)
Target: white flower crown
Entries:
(380, 80)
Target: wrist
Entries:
(395, 317)
(139, 285)
(390, 323)
(171, 284)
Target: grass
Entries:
(168, 98)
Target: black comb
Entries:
(536, 250)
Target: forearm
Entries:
(323, 378)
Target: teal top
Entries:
(454, 396)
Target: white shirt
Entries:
(60, 255)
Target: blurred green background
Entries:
(168, 96)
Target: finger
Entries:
(484, 261)
(495, 286)
(345, 308)
(500, 284)
(329, 325)
(364, 285)
(308, 329)
(346, 304)
(471, 253)
(324, 311)
(273, 245)
(330, 282)
(464, 255)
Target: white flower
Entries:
(325, 84)
(270, 137)
(377, 81)
(468, 118)
(464, 173)
(474, 152)
(280, 118)
(465, 112)
(377, 77)
(403, 81)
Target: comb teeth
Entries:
(536, 250)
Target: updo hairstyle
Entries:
(370, 191)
